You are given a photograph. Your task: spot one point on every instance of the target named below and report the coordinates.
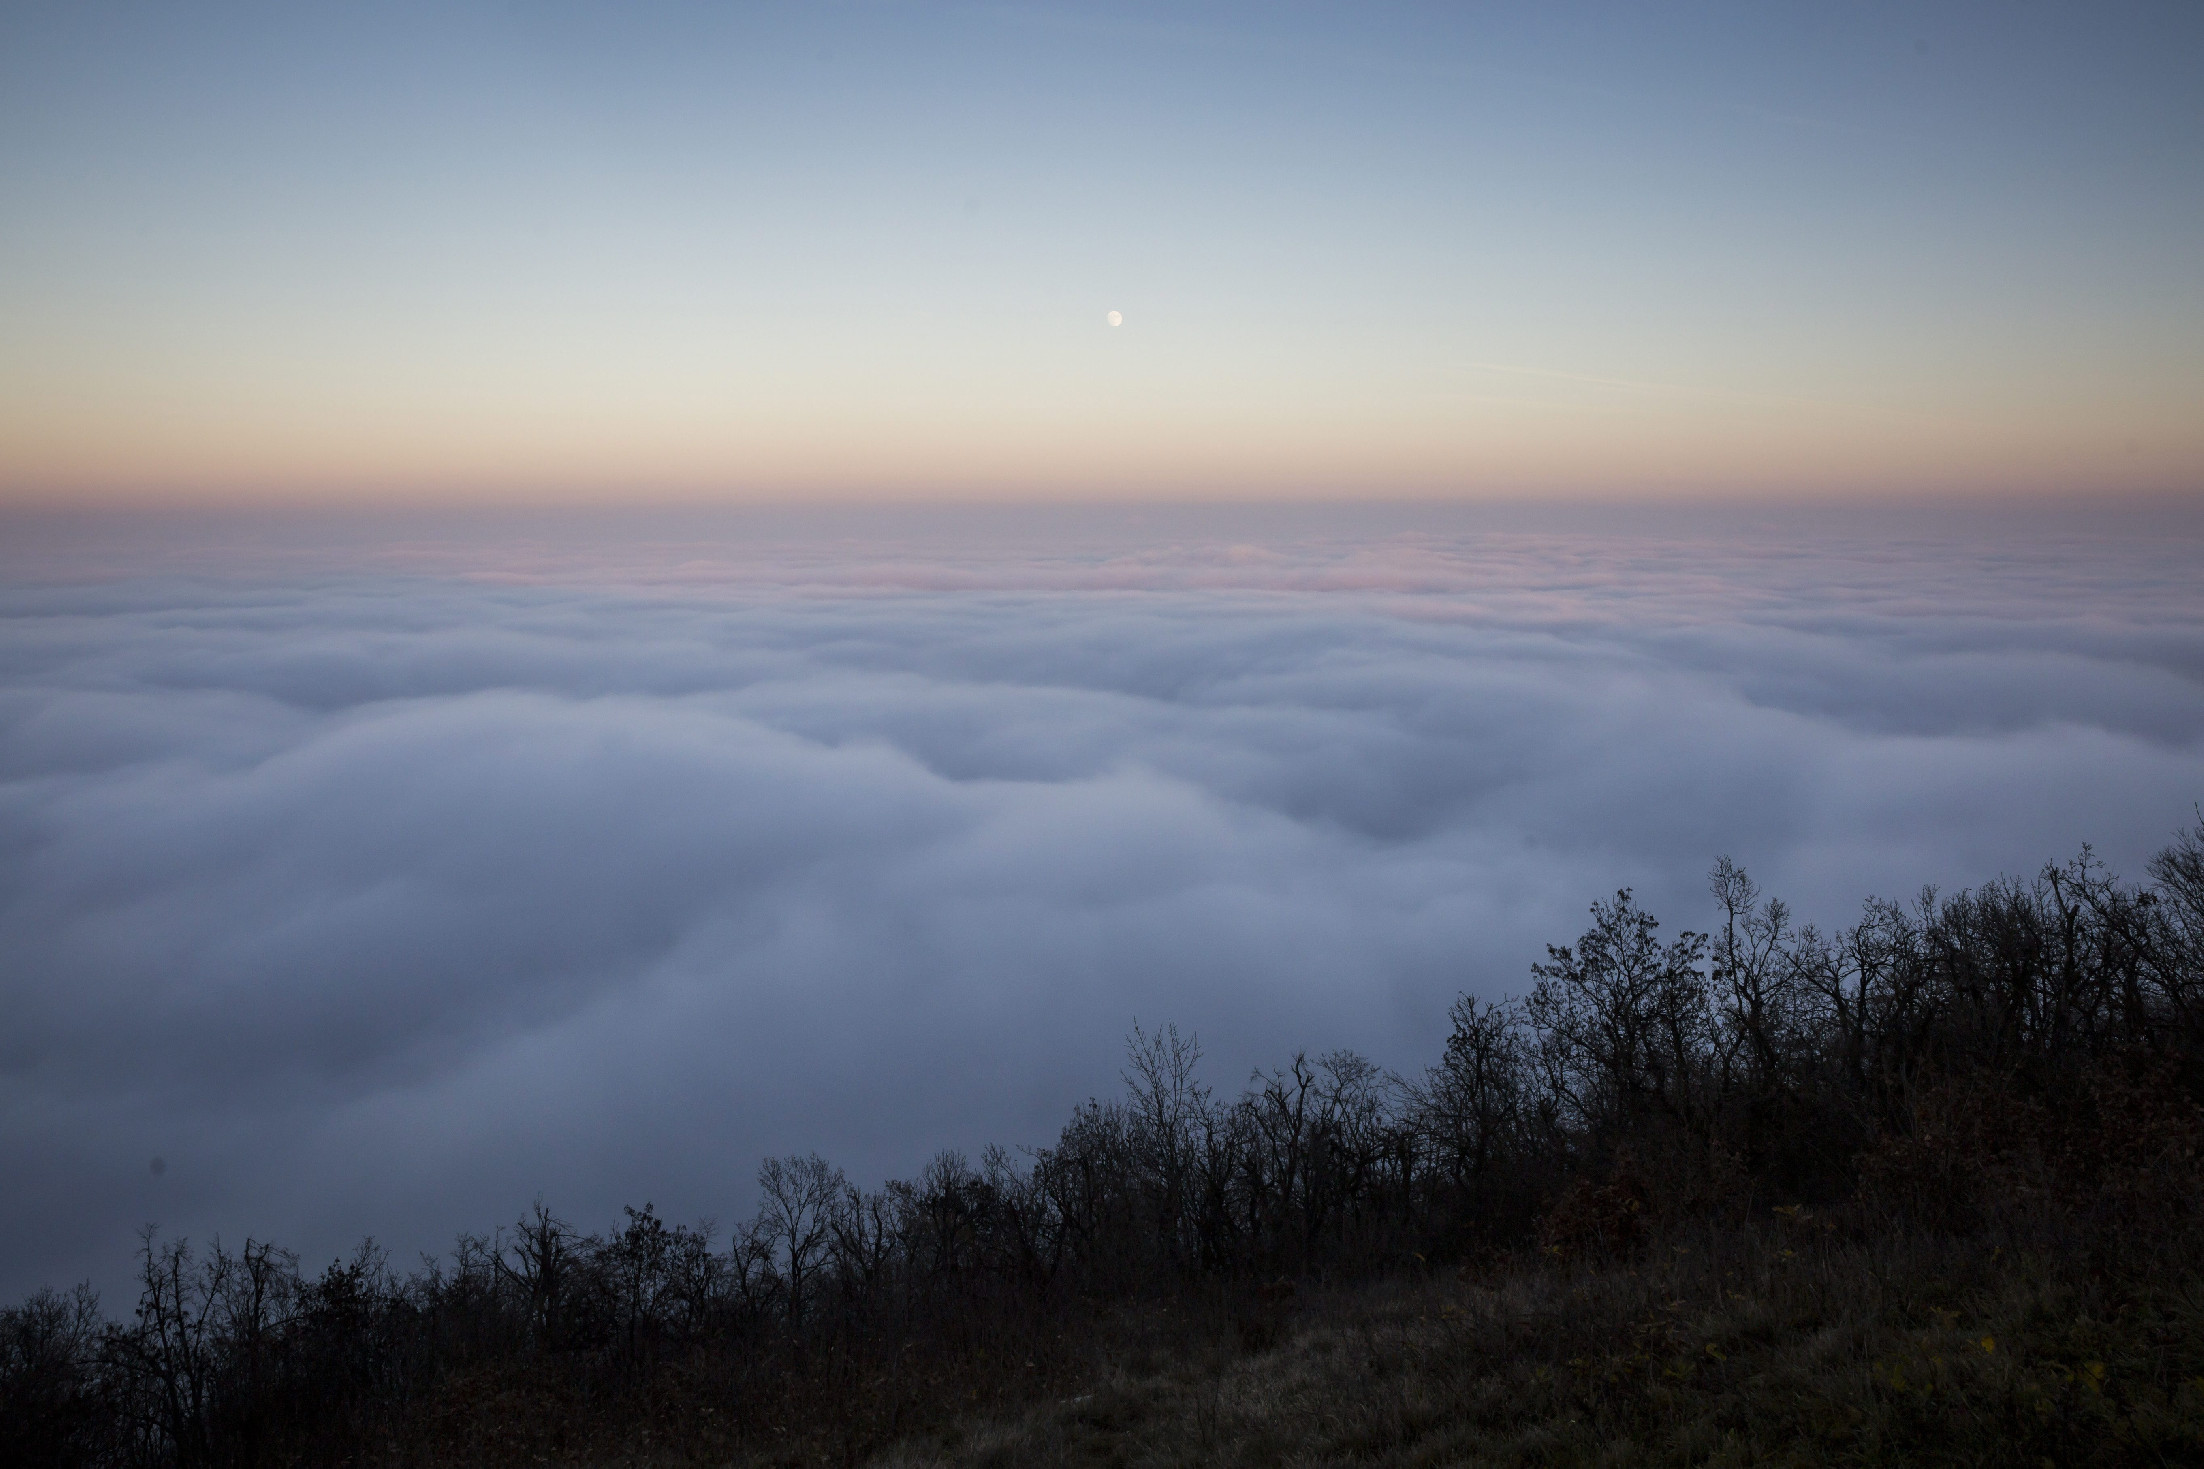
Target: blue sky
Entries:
(544, 252)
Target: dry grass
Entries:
(1786, 1346)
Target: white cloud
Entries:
(375, 893)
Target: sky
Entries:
(550, 253)
(377, 879)
(590, 593)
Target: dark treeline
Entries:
(2021, 1060)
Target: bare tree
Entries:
(52, 1407)
(797, 1213)
(1469, 1109)
(541, 1261)
(171, 1352)
(1623, 1018)
(1169, 1109)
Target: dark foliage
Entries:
(2017, 1065)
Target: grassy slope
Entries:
(1786, 1346)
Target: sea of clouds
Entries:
(378, 878)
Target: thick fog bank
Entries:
(379, 888)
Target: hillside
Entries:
(1923, 1190)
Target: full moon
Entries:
(1117, 318)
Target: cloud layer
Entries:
(380, 884)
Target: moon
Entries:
(1116, 318)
